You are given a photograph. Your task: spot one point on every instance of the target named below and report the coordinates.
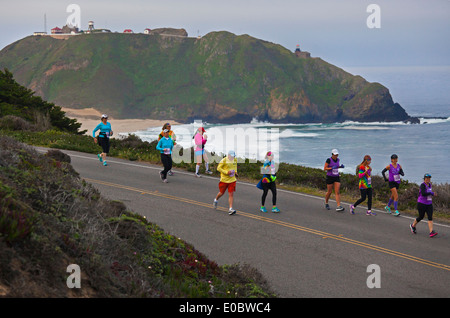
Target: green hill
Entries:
(220, 77)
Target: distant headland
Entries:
(219, 77)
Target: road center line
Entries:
(277, 222)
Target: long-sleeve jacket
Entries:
(165, 143)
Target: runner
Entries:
(200, 139)
(365, 185)
(171, 136)
(228, 173)
(103, 137)
(165, 146)
(333, 181)
(425, 205)
(268, 182)
(395, 170)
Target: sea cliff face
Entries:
(220, 78)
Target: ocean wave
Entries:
(435, 120)
(289, 133)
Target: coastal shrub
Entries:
(58, 156)
(20, 101)
(11, 122)
(16, 219)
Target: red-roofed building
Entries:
(56, 30)
(128, 31)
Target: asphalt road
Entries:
(304, 251)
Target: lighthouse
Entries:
(301, 54)
(91, 26)
(297, 50)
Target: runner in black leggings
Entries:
(425, 205)
(268, 183)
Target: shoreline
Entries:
(89, 118)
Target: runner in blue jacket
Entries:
(165, 146)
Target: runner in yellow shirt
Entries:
(228, 173)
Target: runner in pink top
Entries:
(200, 139)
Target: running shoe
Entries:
(170, 173)
(352, 209)
(198, 175)
(104, 163)
(433, 233)
(339, 209)
(208, 171)
(369, 212)
(100, 157)
(396, 213)
(263, 209)
(215, 202)
(161, 175)
(231, 211)
(275, 210)
(413, 229)
(327, 206)
(165, 181)
(388, 209)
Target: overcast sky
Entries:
(412, 32)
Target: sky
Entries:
(409, 33)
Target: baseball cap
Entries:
(334, 152)
(232, 153)
(427, 175)
(104, 116)
(166, 130)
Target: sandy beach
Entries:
(90, 118)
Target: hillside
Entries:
(220, 77)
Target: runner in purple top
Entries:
(395, 170)
(332, 166)
(425, 205)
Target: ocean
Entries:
(424, 92)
